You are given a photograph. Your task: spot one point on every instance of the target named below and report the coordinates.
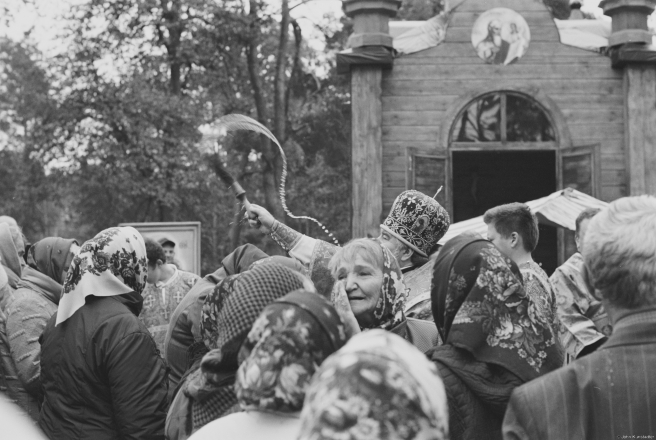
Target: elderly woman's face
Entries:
(363, 283)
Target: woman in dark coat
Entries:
(35, 301)
(495, 338)
(101, 373)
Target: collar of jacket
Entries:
(634, 329)
(132, 301)
(40, 283)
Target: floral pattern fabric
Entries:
(212, 305)
(287, 343)
(161, 300)
(112, 263)
(583, 320)
(480, 304)
(212, 389)
(378, 387)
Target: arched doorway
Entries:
(503, 148)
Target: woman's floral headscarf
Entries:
(479, 304)
(388, 312)
(379, 387)
(212, 305)
(112, 263)
(287, 343)
(211, 387)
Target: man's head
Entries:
(619, 251)
(513, 228)
(169, 250)
(494, 27)
(413, 227)
(582, 222)
(156, 260)
(404, 254)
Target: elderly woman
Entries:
(495, 337)
(228, 314)
(35, 301)
(287, 343)
(378, 386)
(369, 293)
(102, 376)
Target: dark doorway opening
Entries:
(485, 179)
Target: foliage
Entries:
(117, 129)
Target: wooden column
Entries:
(367, 150)
(640, 127)
(370, 38)
(631, 50)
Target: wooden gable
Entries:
(425, 91)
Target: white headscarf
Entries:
(112, 263)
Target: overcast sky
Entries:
(44, 17)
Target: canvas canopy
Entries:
(558, 209)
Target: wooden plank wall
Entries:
(422, 86)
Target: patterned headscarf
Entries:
(377, 387)
(49, 256)
(283, 261)
(212, 305)
(417, 220)
(286, 345)
(110, 264)
(388, 312)
(480, 305)
(212, 386)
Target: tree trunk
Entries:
(269, 152)
(175, 27)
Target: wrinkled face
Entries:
(69, 260)
(503, 244)
(169, 252)
(363, 283)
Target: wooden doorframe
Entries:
(558, 121)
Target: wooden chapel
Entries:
(500, 111)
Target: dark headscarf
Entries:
(211, 387)
(283, 261)
(49, 256)
(287, 343)
(479, 304)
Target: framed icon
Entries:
(501, 36)
(180, 240)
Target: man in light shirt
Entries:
(166, 287)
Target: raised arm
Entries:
(298, 246)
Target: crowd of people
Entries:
(110, 340)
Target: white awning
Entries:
(560, 209)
